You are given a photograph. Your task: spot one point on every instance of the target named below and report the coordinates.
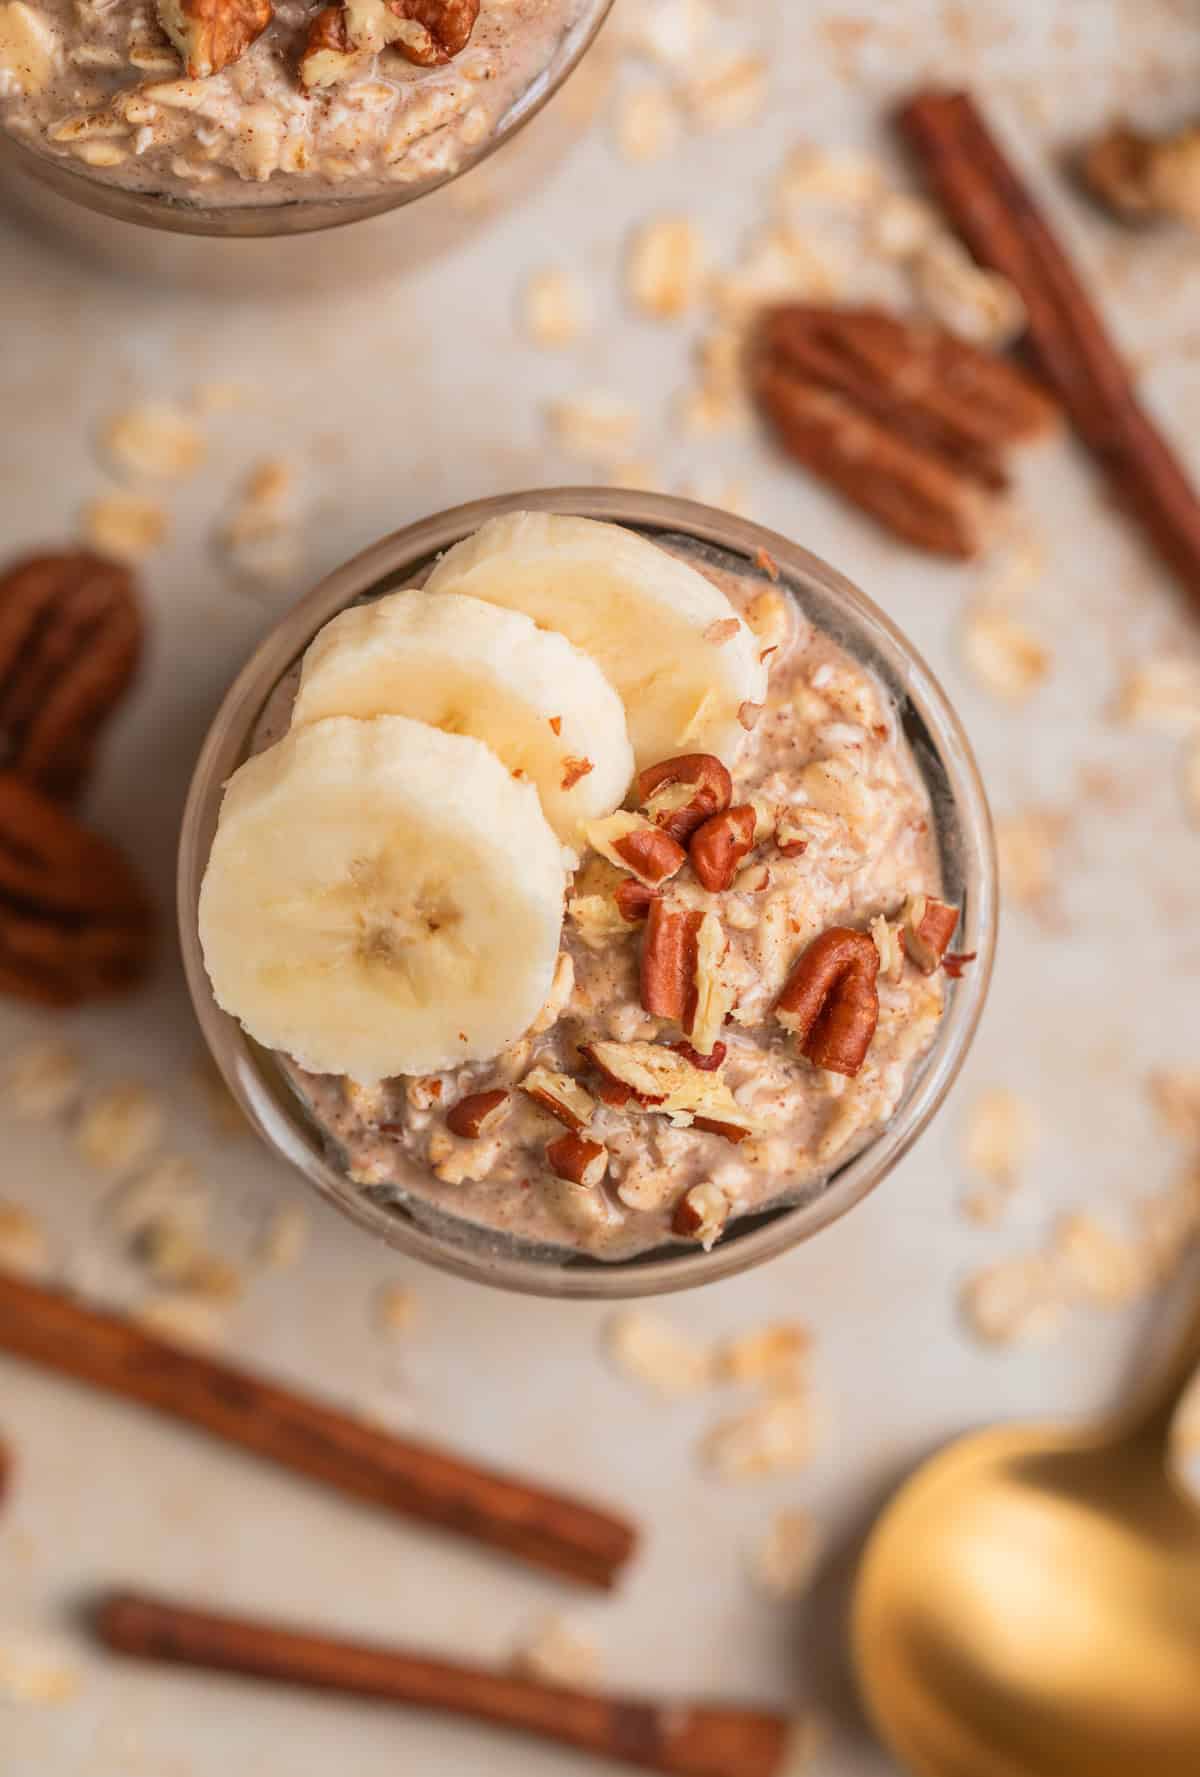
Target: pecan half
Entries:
(929, 925)
(578, 1160)
(720, 845)
(75, 922)
(669, 956)
(830, 1002)
(478, 1113)
(70, 641)
(680, 794)
(908, 421)
(211, 34)
(427, 32)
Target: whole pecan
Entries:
(75, 923)
(680, 794)
(830, 1002)
(70, 641)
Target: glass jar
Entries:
(961, 820)
(270, 249)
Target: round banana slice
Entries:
(544, 709)
(381, 899)
(663, 635)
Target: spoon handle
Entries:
(1155, 1407)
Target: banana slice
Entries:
(380, 899)
(466, 667)
(662, 634)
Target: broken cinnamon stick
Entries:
(688, 1740)
(546, 1529)
(999, 220)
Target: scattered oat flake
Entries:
(283, 1238)
(155, 440)
(1190, 782)
(638, 474)
(1162, 693)
(728, 94)
(1004, 657)
(899, 226)
(1027, 846)
(774, 1436)
(42, 1080)
(119, 1128)
(23, 1245)
(783, 1563)
(554, 309)
(169, 1188)
(184, 1319)
(126, 526)
(558, 1654)
(646, 124)
(664, 274)
(1017, 1301)
(981, 306)
(33, 1672)
(837, 176)
(650, 1350)
(261, 534)
(999, 1135)
(774, 1355)
(1175, 1094)
(596, 427)
(1096, 1265)
(220, 397)
(673, 33)
(394, 1308)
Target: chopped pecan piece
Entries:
(680, 794)
(707, 1063)
(1143, 177)
(720, 846)
(631, 843)
(634, 899)
(701, 1214)
(478, 1113)
(830, 1001)
(929, 925)
(578, 1160)
(661, 1079)
(560, 1095)
(733, 1132)
(712, 997)
(70, 641)
(909, 422)
(75, 923)
(212, 34)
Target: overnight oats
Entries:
(587, 893)
(227, 103)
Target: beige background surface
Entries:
(404, 397)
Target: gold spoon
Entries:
(1029, 1604)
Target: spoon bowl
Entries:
(1029, 1604)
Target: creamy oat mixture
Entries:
(97, 84)
(846, 839)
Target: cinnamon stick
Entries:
(685, 1740)
(998, 218)
(415, 1480)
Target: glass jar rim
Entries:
(751, 1239)
(302, 215)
